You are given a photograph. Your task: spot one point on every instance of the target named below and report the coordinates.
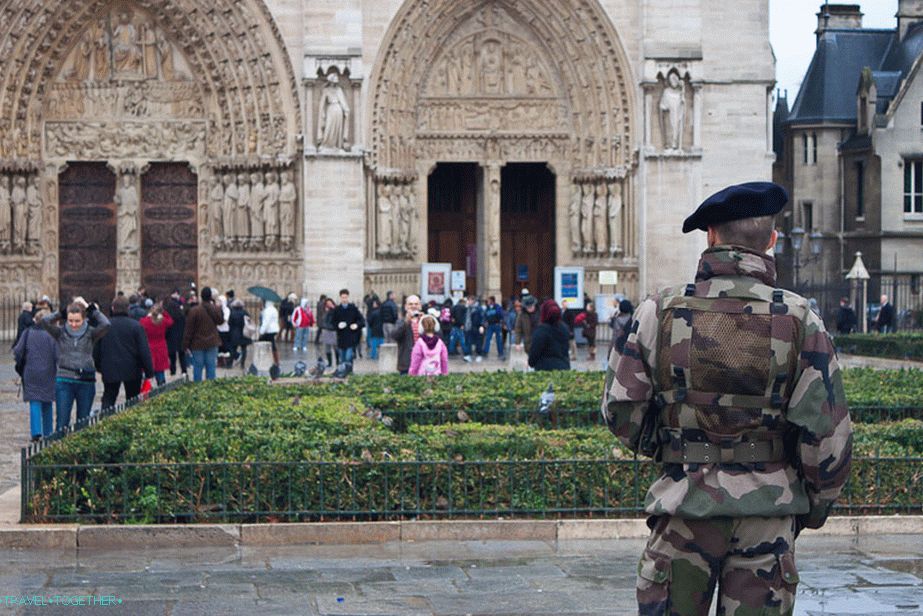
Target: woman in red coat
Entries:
(155, 326)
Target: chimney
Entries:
(840, 16)
(909, 12)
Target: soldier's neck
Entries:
(729, 260)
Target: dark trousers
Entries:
(111, 391)
(175, 353)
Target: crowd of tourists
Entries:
(132, 343)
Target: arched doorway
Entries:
(452, 210)
(527, 251)
(499, 83)
(139, 83)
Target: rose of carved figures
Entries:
(230, 206)
(126, 197)
(586, 218)
(287, 205)
(673, 111)
(615, 217)
(573, 218)
(333, 116)
(215, 210)
(601, 216)
(257, 203)
(385, 220)
(34, 203)
(271, 211)
(20, 214)
(6, 215)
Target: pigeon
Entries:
(463, 416)
(300, 368)
(318, 370)
(546, 401)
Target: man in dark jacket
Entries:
(26, 321)
(549, 348)
(885, 320)
(493, 319)
(527, 322)
(349, 323)
(406, 332)
(388, 314)
(136, 309)
(845, 317)
(457, 336)
(123, 355)
(174, 307)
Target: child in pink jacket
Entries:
(429, 356)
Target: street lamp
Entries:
(815, 247)
(779, 248)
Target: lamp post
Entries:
(857, 274)
(796, 237)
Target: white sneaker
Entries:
(479, 359)
(294, 349)
(467, 358)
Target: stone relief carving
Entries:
(596, 215)
(19, 231)
(252, 210)
(6, 215)
(396, 217)
(107, 140)
(125, 45)
(333, 116)
(35, 213)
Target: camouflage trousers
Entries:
(752, 560)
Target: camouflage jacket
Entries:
(732, 336)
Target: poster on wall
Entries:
(434, 281)
(458, 280)
(568, 286)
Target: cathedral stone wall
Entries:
(639, 108)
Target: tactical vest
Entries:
(726, 363)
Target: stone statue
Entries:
(101, 53)
(573, 217)
(165, 51)
(257, 203)
(242, 212)
(287, 201)
(215, 210)
(586, 218)
(491, 68)
(229, 208)
(333, 116)
(673, 111)
(385, 219)
(271, 211)
(20, 215)
(81, 68)
(405, 216)
(126, 197)
(6, 214)
(126, 49)
(600, 224)
(34, 203)
(149, 55)
(615, 217)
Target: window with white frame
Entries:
(913, 186)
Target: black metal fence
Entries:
(10, 309)
(905, 293)
(314, 491)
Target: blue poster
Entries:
(522, 272)
(569, 286)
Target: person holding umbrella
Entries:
(269, 318)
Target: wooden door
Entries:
(87, 233)
(168, 228)
(527, 196)
(452, 217)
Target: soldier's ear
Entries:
(712, 237)
(772, 240)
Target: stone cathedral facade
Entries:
(308, 145)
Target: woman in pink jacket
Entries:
(429, 356)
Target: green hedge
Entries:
(314, 451)
(898, 346)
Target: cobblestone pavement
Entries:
(874, 575)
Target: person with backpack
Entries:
(493, 318)
(457, 335)
(36, 354)
(474, 328)
(429, 356)
(303, 321)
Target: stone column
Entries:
(128, 224)
(489, 232)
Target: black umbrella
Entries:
(265, 294)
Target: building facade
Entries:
(308, 145)
(851, 153)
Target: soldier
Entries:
(734, 386)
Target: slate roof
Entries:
(828, 92)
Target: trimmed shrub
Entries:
(907, 345)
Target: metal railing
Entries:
(315, 491)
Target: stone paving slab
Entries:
(840, 576)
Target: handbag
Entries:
(250, 330)
(21, 363)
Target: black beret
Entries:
(748, 200)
